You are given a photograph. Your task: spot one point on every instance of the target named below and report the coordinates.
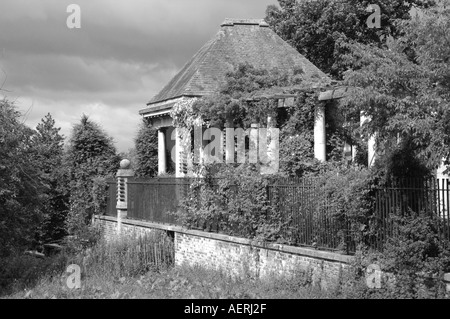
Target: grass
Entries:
(141, 268)
(181, 282)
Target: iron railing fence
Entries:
(311, 219)
(426, 196)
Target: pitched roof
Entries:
(238, 41)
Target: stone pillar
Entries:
(162, 161)
(271, 146)
(178, 135)
(371, 145)
(319, 133)
(229, 141)
(253, 144)
(122, 191)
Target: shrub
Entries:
(417, 256)
(412, 262)
(348, 193)
(18, 272)
(234, 201)
(146, 145)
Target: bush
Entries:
(413, 262)
(21, 271)
(86, 237)
(146, 145)
(234, 201)
(417, 256)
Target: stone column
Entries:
(319, 133)
(253, 144)
(229, 141)
(122, 191)
(371, 145)
(271, 146)
(179, 135)
(161, 152)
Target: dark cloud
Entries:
(124, 53)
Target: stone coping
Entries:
(307, 252)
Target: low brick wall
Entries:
(110, 227)
(240, 256)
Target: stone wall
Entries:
(240, 256)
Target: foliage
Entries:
(297, 155)
(183, 115)
(17, 272)
(21, 184)
(412, 263)
(49, 145)
(99, 189)
(146, 146)
(320, 29)
(349, 192)
(230, 105)
(417, 256)
(400, 162)
(242, 101)
(90, 155)
(181, 282)
(86, 236)
(404, 88)
(224, 200)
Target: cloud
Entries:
(124, 53)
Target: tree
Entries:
(49, 146)
(405, 88)
(146, 143)
(20, 182)
(319, 29)
(91, 156)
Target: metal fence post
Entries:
(122, 189)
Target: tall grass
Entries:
(130, 255)
(18, 272)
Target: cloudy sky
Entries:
(123, 54)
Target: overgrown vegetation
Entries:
(320, 29)
(146, 145)
(412, 263)
(33, 193)
(234, 201)
(91, 159)
(130, 255)
(127, 256)
(404, 86)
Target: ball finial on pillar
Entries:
(125, 164)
